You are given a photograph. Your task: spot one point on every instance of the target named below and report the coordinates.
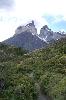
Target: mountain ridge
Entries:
(28, 38)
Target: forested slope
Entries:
(21, 71)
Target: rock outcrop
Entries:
(27, 37)
(48, 35)
(28, 28)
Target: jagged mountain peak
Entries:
(48, 35)
(26, 37)
(30, 27)
(31, 23)
(45, 27)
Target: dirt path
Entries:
(41, 96)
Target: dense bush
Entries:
(20, 71)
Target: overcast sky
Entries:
(44, 12)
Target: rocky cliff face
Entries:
(27, 37)
(28, 28)
(48, 35)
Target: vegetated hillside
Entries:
(47, 67)
(14, 85)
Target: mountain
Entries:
(30, 27)
(26, 37)
(48, 35)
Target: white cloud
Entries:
(26, 10)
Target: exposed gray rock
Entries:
(27, 37)
(28, 28)
(48, 35)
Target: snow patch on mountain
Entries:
(48, 35)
